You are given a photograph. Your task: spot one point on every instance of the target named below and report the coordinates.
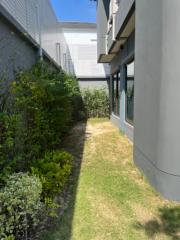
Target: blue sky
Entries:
(75, 10)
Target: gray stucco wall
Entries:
(157, 94)
(15, 51)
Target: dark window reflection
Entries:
(130, 92)
(116, 93)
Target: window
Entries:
(116, 93)
(130, 92)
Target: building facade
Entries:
(139, 39)
(32, 29)
(26, 34)
(79, 54)
(38, 19)
(116, 46)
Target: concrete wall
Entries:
(16, 52)
(157, 94)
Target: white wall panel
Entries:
(80, 50)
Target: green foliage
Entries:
(36, 111)
(53, 170)
(44, 104)
(19, 206)
(72, 86)
(96, 102)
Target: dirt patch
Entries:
(143, 214)
(100, 128)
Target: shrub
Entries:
(45, 108)
(96, 102)
(72, 86)
(37, 111)
(53, 170)
(19, 206)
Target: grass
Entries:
(109, 199)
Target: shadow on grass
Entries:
(167, 223)
(74, 143)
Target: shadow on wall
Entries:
(168, 223)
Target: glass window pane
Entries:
(130, 93)
(116, 93)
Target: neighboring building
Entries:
(25, 27)
(31, 28)
(79, 54)
(37, 19)
(144, 98)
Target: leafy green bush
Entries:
(72, 86)
(36, 111)
(53, 170)
(45, 107)
(19, 206)
(96, 102)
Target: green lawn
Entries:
(109, 199)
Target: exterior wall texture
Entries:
(38, 19)
(157, 95)
(16, 52)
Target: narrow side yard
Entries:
(109, 199)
